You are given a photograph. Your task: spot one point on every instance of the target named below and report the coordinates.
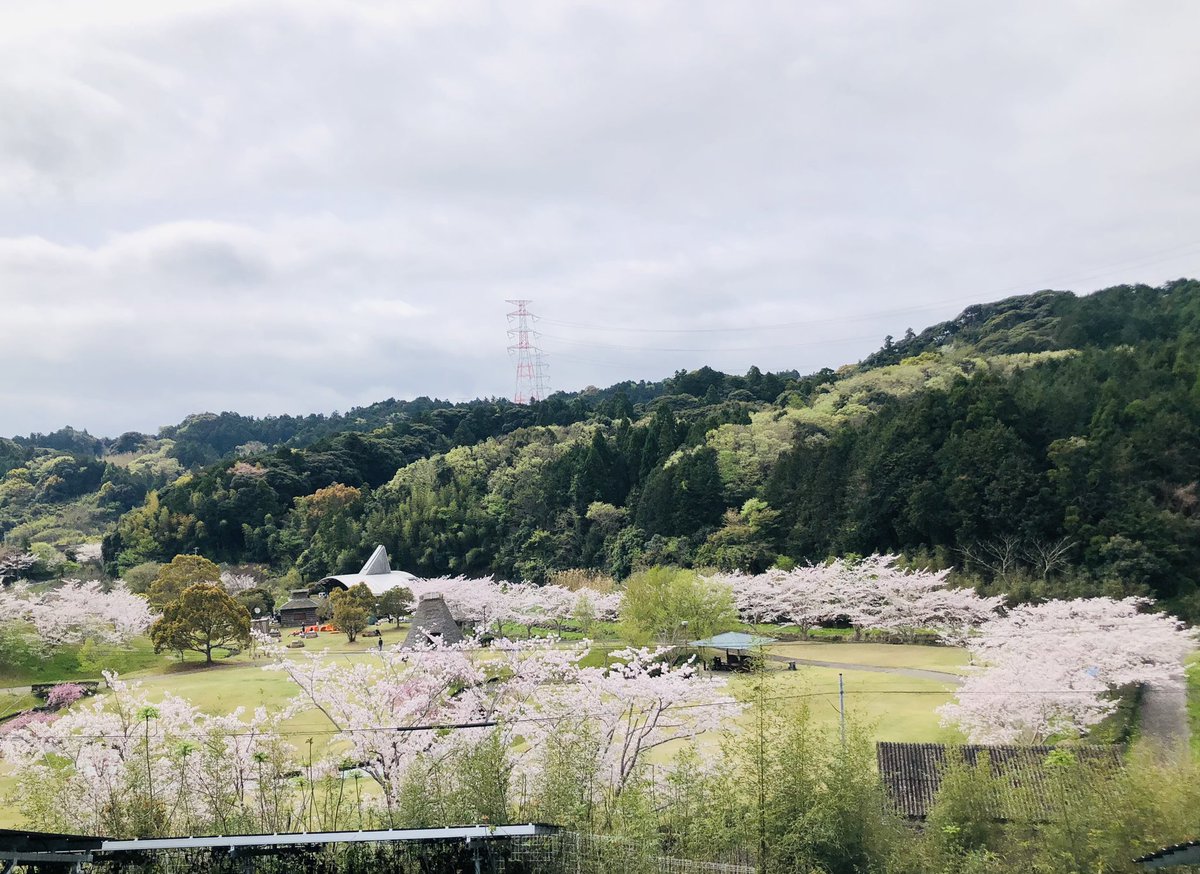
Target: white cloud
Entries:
(292, 206)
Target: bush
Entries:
(64, 695)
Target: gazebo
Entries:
(736, 644)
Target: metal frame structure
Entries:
(531, 385)
(73, 851)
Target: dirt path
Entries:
(919, 673)
(1164, 715)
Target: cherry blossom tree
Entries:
(488, 604)
(639, 704)
(133, 764)
(872, 593)
(234, 583)
(13, 564)
(383, 708)
(878, 595)
(516, 689)
(1046, 669)
(64, 695)
(77, 611)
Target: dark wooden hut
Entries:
(300, 610)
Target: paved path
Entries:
(1164, 716)
(919, 673)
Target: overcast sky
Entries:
(307, 205)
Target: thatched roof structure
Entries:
(432, 620)
(299, 601)
(912, 775)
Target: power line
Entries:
(490, 723)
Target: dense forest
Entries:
(1047, 443)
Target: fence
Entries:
(577, 853)
(559, 853)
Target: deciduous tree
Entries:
(671, 604)
(182, 572)
(202, 619)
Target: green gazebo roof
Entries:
(734, 640)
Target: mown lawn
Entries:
(950, 659)
(892, 707)
(139, 659)
(63, 664)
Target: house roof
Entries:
(734, 640)
(912, 775)
(376, 574)
(299, 603)
(1172, 857)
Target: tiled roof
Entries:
(299, 604)
(912, 775)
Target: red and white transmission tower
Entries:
(531, 361)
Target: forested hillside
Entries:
(1047, 443)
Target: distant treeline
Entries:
(1048, 443)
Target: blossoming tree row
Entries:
(136, 764)
(77, 611)
(1048, 670)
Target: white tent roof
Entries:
(377, 574)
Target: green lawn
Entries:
(1193, 700)
(139, 658)
(892, 706)
(935, 658)
(62, 664)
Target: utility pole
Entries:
(531, 382)
(842, 707)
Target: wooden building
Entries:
(300, 610)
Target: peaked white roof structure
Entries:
(377, 573)
(378, 563)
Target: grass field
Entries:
(1193, 700)
(892, 706)
(933, 658)
(902, 708)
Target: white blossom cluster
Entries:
(1045, 670)
(77, 611)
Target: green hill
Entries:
(1046, 443)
